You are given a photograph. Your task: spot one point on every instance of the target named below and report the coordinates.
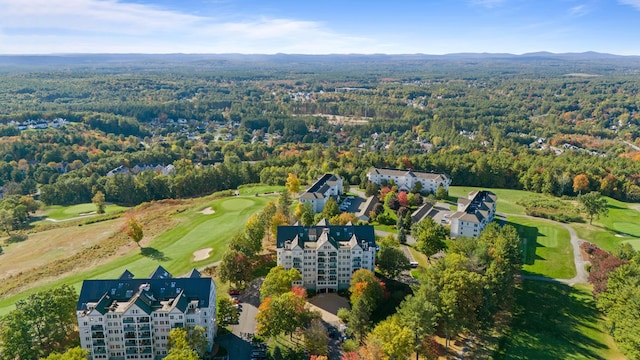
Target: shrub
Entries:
(14, 238)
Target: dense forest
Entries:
(525, 123)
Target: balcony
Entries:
(128, 320)
(99, 350)
(98, 342)
(97, 334)
(145, 334)
(144, 319)
(145, 327)
(129, 328)
(97, 328)
(131, 342)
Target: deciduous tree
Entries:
(293, 183)
(593, 204)
(99, 201)
(134, 230)
(429, 237)
(580, 183)
(278, 281)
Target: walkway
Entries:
(581, 272)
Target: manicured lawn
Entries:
(556, 321)
(252, 189)
(547, 248)
(173, 249)
(58, 212)
(621, 225)
(506, 198)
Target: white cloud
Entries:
(579, 10)
(634, 3)
(44, 26)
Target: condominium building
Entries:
(321, 190)
(473, 214)
(129, 318)
(407, 179)
(326, 255)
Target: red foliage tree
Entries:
(602, 263)
(402, 199)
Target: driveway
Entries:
(238, 342)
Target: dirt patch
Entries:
(208, 211)
(201, 254)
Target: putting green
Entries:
(237, 204)
(627, 228)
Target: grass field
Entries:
(58, 212)
(621, 225)
(253, 189)
(172, 249)
(556, 321)
(547, 248)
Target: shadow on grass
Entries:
(154, 254)
(529, 236)
(549, 322)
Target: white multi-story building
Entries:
(407, 179)
(321, 190)
(326, 255)
(473, 214)
(128, 318)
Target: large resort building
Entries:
(321, 190)
(128, 318)
(407, 179)
(326, 255)
(473, 214)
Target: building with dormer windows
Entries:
(407, 179)
(130, 319)
(321, 190)
(473, 214)
(326, 255)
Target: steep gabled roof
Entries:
(126, 275)
(104, 292)
(160, 273)
(323, 231)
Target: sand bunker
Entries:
(208, 211)
(201, 254)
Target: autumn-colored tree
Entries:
(278, 281)
(99, 201)
(343, 219)
(134, 230)
(403, 199)
(293, 183)
(580, 183)
(235, 268)
(277, 220)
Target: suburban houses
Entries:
(129, 318)
(321, 190)
(473, 214)
(407, 179)
(326, 255)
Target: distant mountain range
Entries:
(105, 59)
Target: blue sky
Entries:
(318, 26)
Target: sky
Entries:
(319, 26)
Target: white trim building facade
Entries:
(326, 256)
(407, 179)
(473, 214)
(130, 319)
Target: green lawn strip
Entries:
(622, 224)
(547, 248)
(174, 248)
(58, 212)
(507, 199)
(556, 321)
(252, 189)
